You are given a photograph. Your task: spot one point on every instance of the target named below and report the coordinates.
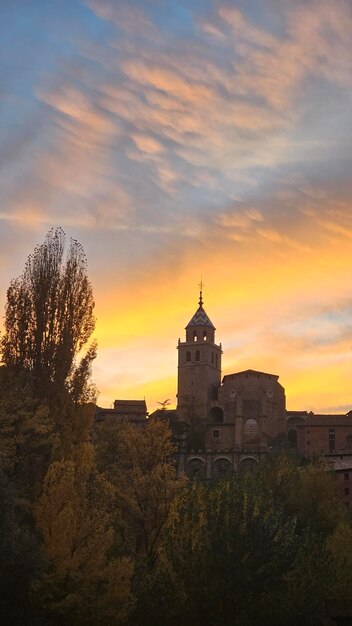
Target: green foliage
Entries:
(248, 551)
(307, 490)
(240, 554)
(340, 547)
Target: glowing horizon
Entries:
(179, 139)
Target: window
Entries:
(332, 439)
(251, 408)
(347, 491)
(216, 360)
(204, 335)
(251, 431)
(346, 475)
(197, 355)
(212, 357)
(292, 439)
(308, 443)
(216, 434)
(216, 414)
(188, 356)
(195, 338)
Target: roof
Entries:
(136, 406)
(327, 420)
(170, 414)
(250, 372)
(200, 318)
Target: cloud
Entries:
(147, 144)
(172, 143)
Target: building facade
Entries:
(229, 423)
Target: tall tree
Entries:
(82, 584)
(49, 314)
(138, 460)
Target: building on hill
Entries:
(231, 422)
(225, 425)
(124, 411)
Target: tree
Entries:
(233, 556)
(139, 462)
(82, 584)
(49, 316)
(340, 548)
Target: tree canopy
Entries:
(49, 313)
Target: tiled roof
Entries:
(200, 318)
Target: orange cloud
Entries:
(147, 144)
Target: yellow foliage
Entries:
(75, 517)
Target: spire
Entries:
(201, 285)
(200, 317)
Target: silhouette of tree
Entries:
(164, 404)
(49, 314)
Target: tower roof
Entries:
(200, 318)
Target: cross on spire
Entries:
(201, 285)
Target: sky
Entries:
(176, 139)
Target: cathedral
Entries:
(229, 423)
(226, 425)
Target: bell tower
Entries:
(199, 367)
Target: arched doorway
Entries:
(292, 439)
(249, 464)
(195, 469)
(222, 468)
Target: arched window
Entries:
(251, 431)
(216, 414)
(188, 355)
(204, 335)
(195, 338)
(292, 439)
(197, 355)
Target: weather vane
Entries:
(201, 285)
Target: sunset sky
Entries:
(180, 138)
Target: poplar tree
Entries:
(49, 315)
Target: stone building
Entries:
(312, 434)
(134, 411)
(228, 423)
